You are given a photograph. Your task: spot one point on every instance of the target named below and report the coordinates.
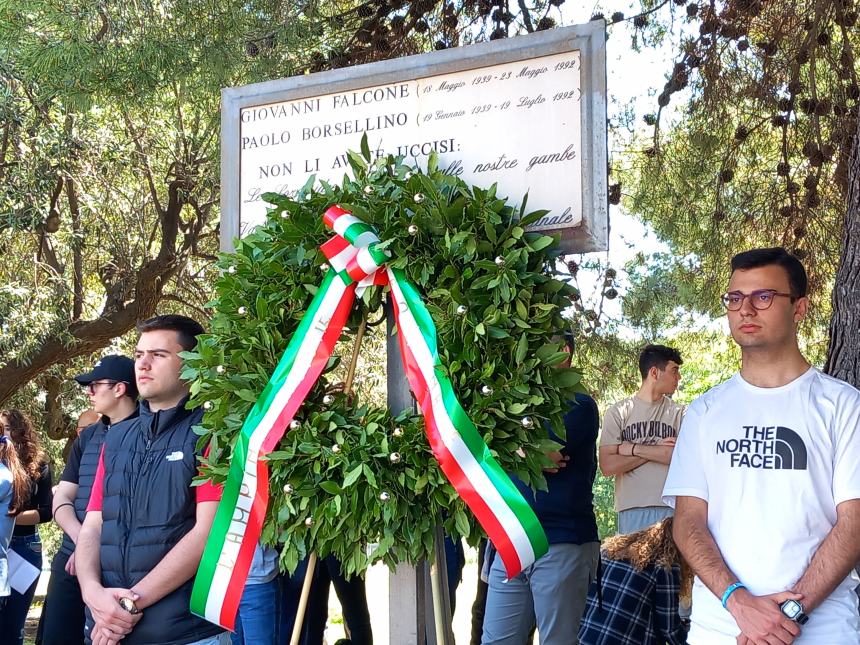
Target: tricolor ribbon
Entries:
(356, 262)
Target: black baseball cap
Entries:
(112, 368)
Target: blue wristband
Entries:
(731, 589)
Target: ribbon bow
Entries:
(356, 263)
(352, 252)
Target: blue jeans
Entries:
(14, 614)
(551, 591)
(257, 620)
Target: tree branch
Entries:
(57, 424)
(169, 297)
(81, 338)
(144, 158)
(77, 251)
(103, 29)
(527, 19)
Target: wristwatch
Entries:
(794, 610)
(128, 605)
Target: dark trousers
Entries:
(350, 592)
(63, 616)
(480, 604)
(455, 560)
(14, 615)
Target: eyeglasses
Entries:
(91, 387)
(760, 299)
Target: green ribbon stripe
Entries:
(466, 429)
(354, 230)
(230, 495)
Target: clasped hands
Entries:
(760, 619)
(112, 622)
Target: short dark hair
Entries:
(756, 258)
(657, 356)
(186, 328)
(130, 389)
(567, 338)
(569, 342)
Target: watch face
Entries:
(128, 605)
(791, 608)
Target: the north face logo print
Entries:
(766, 448)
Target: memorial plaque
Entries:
(527, 113)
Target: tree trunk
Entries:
(843, 353)
(86, 337)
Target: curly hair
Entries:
(26, 441)
(652, 546)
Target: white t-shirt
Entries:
(773, 464)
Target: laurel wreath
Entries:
(354, 480)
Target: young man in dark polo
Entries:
(146, 526)
(551, 593)
(113, 397)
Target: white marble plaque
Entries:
(517, 124)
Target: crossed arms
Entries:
(624, 457)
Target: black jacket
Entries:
(81, 469)
(566, 509)
(148, 507)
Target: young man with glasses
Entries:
(765, 478)
(113, 398)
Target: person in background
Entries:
(257, 619)
(350, 592)
(551, 592)
(634, 600)
(14, 489)
(85, 420)
(35, 510)
(638, 437)
(113, 397)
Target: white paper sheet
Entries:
(21, 573)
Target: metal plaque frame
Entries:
(590, 39)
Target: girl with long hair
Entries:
(33, 509)
(635, 599)
(14, 489)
